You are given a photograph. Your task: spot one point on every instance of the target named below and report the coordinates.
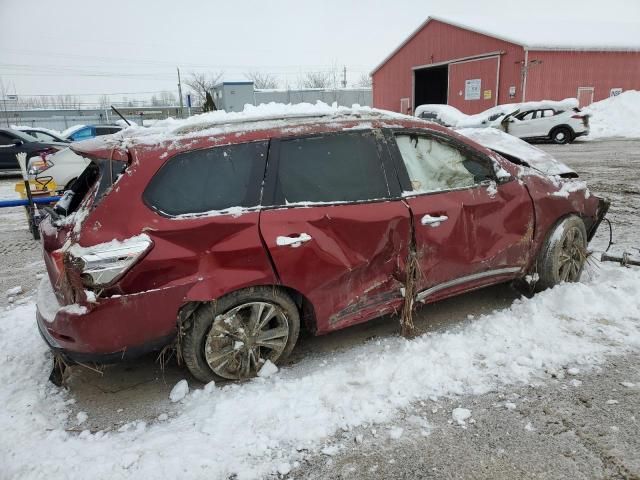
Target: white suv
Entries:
(547, 124)
(62, 167)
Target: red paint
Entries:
(562, 73)
(352, 270)
(439, 42)
(486, 70)
(354, 262)
(559, 75)
(489, 232)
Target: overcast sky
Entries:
(129, 47)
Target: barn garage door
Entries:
(473, 84)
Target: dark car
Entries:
(227, 238)
(13, 142)
(43, 134)
(85, 132)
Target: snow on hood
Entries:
(503, 143)
(617, 116)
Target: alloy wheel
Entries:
(572, 256)
(241, 340)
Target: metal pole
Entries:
(180, 94)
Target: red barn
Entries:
(472, 69)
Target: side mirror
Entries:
(17, 142)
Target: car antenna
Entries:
(120, 115)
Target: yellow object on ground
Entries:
(37, 188)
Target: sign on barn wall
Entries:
(472, 89)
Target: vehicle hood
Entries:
(511, 146)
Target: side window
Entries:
(42, 136)
(337, 167)
(82, 134)
(209, 180)
(433, 164)
(548, 113)
(6, 139)
(526, 115)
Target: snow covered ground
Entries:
(270, 425)
(266, 425)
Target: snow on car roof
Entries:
(546, 33)
(261, 117)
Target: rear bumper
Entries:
(111, 330)
(71, 356)
(581, 134)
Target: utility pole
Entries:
(180, 94)
(344, 77)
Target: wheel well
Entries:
(305, 307)
(564, 125)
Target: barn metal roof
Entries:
(547, 34)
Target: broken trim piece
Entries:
(423, 295)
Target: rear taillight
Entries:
(36, 167)
(577, 116)
(103, 264)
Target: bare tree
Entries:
(167, 98)
(364, 81)
(262, 80)
(322, 79)
(201, 83)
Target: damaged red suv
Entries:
(225, 237)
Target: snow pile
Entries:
(617, 116)
(263, 426)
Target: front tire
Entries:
(233, 337)
(561, 135)
(564, 254)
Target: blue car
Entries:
(85, 132)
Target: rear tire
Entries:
(561, 135)
(563, 254)
(231, 338)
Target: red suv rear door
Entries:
(333, 231)
(470, 229)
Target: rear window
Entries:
(102, 172)
(208, 180)
(342, 167)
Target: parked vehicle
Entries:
(85, 132)
(558, 126)
(555, 121)
(229, 237)
(43, 134)
(13, 142)
(63, 167)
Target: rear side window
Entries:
(107, 130)
(207, 180)
(342, 167)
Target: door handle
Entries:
(433, 221)
(294, 241)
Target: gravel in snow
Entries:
(252, 429)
